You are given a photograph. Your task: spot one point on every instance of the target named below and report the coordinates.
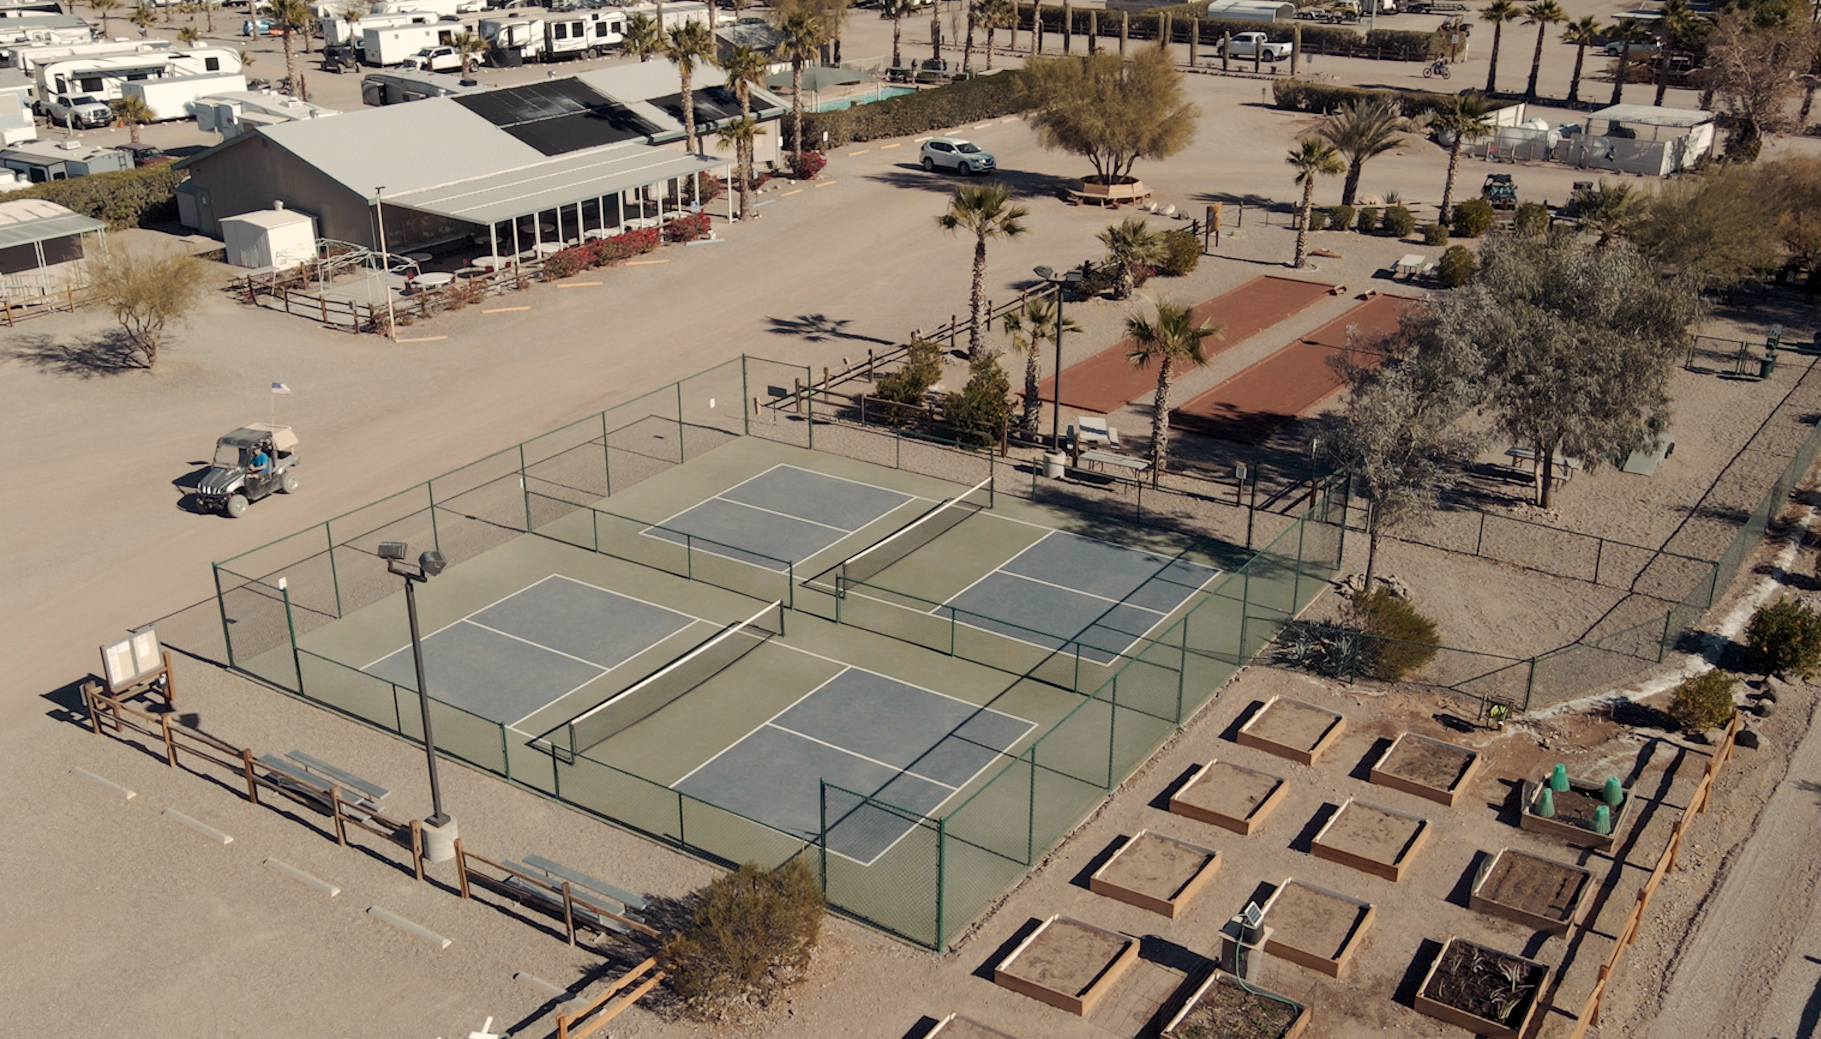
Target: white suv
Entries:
(957, 154)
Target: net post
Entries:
(941, 876)
(334, 576)
(221, 607)
(291, 628)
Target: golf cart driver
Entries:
(250, 463)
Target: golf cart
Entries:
(1500, 191)
(250, 463)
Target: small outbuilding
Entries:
(269, 238)
(44, 248)
(1644, 139)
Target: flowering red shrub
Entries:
(807, 166)
(570, 261)
(623, 246)
(687, 229)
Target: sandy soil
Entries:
(1422, 762)
(1313, 922)
(1292, 724)
(1230, 790)
(1067, 957)
(1155, 865)
(1532, 884)
(1372, 833)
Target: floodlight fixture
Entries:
(393, 549)
(432, 563)
(1043, 272)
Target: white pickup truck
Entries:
(1253, 44)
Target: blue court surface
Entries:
(1071, 589)
(535, 646)
(781, 516)
(865, 733)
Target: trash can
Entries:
(1768, 366)
(1054, 463)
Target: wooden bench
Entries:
(345, 778)
(552, 887)
(325, 793)
(557, 869)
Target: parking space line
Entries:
(862, 151)
(504, 310)
(827, 184)
(787, 194)
(578, 284)
(888, 147)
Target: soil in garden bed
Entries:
(1155, 866)
(1484, 983)
(1533, 885)
(1230, 790)
(1067, 958)
(1308, 920)
(1577, 805)
(1427, 764)
(1229, 1012)
(1371, 833)
(1292, 725)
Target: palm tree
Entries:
(1464, 116)
(1312, 157)
(1498, 12)
(1132, 245)
(351, 15)
(1627, 31)
(896, 10)
(287, 17)
(1583, 33)
(803, 34)
(1612, 210)
(1172, 339)
(744, 68)
(687, 45)
(102, 8)
(1029, 331)
(144, 17)
(643, 37)
(985, 212)
(468, 47)
(208, 15)
(995, 14)
(1542, 14)
(740, 134)
(188, 36)
(1363, 130)
(133, 111)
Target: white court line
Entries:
(757, 727)
(994, 570)
(1078, 591)
(566, 695)
(458, 620)
(604, 668)
(692, 546)
(785, 515)
(899, 770)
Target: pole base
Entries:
(439, 838)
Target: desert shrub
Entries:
(1532, 218)
(461, 292)
(1785, 637)
(1702, 702)
(1367, 221)
(1473, 218)
(1299, 95)
(124, 198)
(983, 407)
(956, 104)
(1457, 266)
(1340, 218)
(807, 166)
(1435, 234)
(922, 369)
(687, 229)
(1181, 253)
(1318, 219)
(1097, 279)
(751, 937)
(1400, 222)
(1399, 639)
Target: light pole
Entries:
(385, 263)
(439, 828)
(1068, 279)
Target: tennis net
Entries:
(675, 680)
(870, 562)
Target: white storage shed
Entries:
(269, 238)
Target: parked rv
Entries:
(339, 32)
(41, 29)
(104, 76)
(26, 57)
(170, 98)
(383, 47)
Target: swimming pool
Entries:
(879, 93)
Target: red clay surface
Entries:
(1254, 404)
(1106, 382)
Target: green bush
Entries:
(1785, 637)
(1435, 234)
(1340, 218)
(1367, 223)
(906, 386)
(1400, 222)
(983, 407)
(1299, 95)
(937, 108)
(1457, 266)
(1399, 640)
(1703, 702)
(751, 936)
(1181, 253)
(1318, 219)
(1473, 218)
(1531, 219)
(126, 198)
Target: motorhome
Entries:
(675, 14)
(43, 161)
(26, 57)
(170, 98)
(23, 8)
(381, 47)
(512, 40)
(339, 32)
(41, 29)
(443, 8)
(396, 87)
(103, 77)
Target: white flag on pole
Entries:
(280, 389)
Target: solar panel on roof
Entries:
(558, 117)
(713, 104)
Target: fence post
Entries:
(822, 834)
(606, 456)
(1599, 553)
(221, 605)
(291, 628)
(524, 488)
(1030, 821)
(745, 416)
(682, 448)
(334, 575)
(1112, 727)
(1669, 618)
(430, 492)
(1481, 539)
(941, 875)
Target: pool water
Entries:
(879, 94)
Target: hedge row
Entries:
(936, 108)
(1300, 95)
(127, 198)
(1390, 44)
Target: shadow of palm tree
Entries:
(819, 328)
(1022, 182)
(85, 357)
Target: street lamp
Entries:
(1068, 279)
(439, 829)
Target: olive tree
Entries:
(1110, 110)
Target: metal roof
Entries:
(35, 220)
(1651, 115)
(559, 116)
(403, 147)
(554, 182)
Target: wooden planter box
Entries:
(1566, 829)
(1530, 890)
(1426, 767)
(1537, 975)
(1292, 729)
(1221, 979)
(1155, 872)
(1315, 927)
(1095, 193)
(1067, 964)
(1371, 838)
(1229, 795)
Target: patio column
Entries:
(493, 239)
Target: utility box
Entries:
(269, 238)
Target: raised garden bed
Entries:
(954, 1026)
(1371, 838)
(1229, 795)
(1292, 729)
(1530, 890)
(1487, 992)
(1155, 872)
(1574, 812)
(1226, 1008)
(1426, 767)
(1067, 964)
(1314, 927)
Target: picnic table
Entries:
(1090, 430)
(1104, 459)
(1410, 266)
(1564, 467)
(433, 280)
